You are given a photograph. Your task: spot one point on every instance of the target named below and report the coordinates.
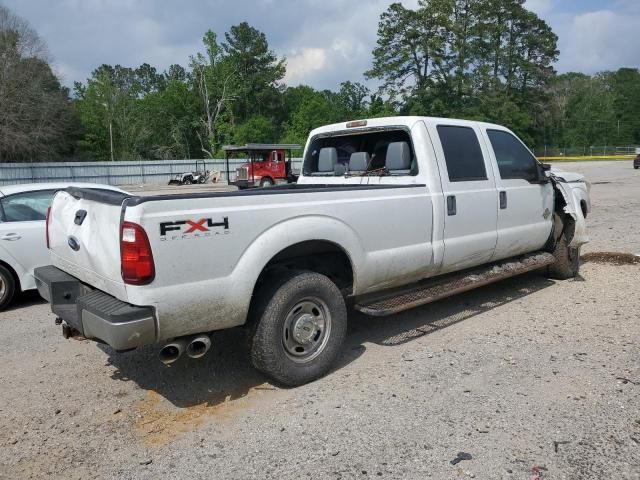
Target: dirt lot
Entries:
(533, 378)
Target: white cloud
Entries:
(599, 40)
(303, 64)
(539, 6)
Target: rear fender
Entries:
(291, 232)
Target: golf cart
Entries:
(266, 165)
(200, 175)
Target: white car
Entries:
(23, 210)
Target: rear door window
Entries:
(26, 207)
(513, 158)
(462, 153)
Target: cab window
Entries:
(380, 152)
(462, 153)
(27, 206)
(514, 160)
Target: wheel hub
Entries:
(304, 329)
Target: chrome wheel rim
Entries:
(306, 330)
(3, 288)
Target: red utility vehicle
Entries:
(267, 164)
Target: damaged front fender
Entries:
(574, 193)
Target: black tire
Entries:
(567, 264)
(279, 316)
(266, 183)
(187, 181)
(7, 287)
(202, 179)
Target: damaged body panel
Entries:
(575, 193)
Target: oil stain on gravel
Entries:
(611, 258)
(158, 422)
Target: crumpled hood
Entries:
(567, 176)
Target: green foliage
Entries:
(257, 129)
(36, 119)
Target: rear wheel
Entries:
(7, 287)
(300, 325)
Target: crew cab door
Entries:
(525, 206)
(470, 195)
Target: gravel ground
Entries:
(535, 379)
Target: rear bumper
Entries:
(93, 313)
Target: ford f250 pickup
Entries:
(387, 214)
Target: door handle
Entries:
(503, 200)
(11, 237)
(451, 205)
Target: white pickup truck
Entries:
(387, 214)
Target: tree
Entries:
(37, 122)
(313, 110)
(214, 79)
(466, 58)
(624, 86)
(256, 129)
(351, 100)
(258, 71)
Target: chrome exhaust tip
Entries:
(172, 351)
(199, 346)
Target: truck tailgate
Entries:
(84, 236)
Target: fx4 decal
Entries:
(181, 229)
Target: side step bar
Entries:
(450, 284)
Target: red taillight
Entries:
(46, 226)
(135, 255)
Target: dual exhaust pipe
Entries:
(195, 347)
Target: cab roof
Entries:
(400, 121)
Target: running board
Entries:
(451, 284)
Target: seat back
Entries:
(359, 162)
(398, 157)
(327, 159)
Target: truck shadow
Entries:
(24, 300)
(226, 373)
(409, 325)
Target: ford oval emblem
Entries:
(74, 243)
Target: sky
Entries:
(325, 41)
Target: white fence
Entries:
(111, 173)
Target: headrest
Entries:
(359, 162)
(327, 159)
(398, 156)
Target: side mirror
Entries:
(543, 168)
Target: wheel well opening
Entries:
(318, 256)
(583, 206)
(13, 272)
